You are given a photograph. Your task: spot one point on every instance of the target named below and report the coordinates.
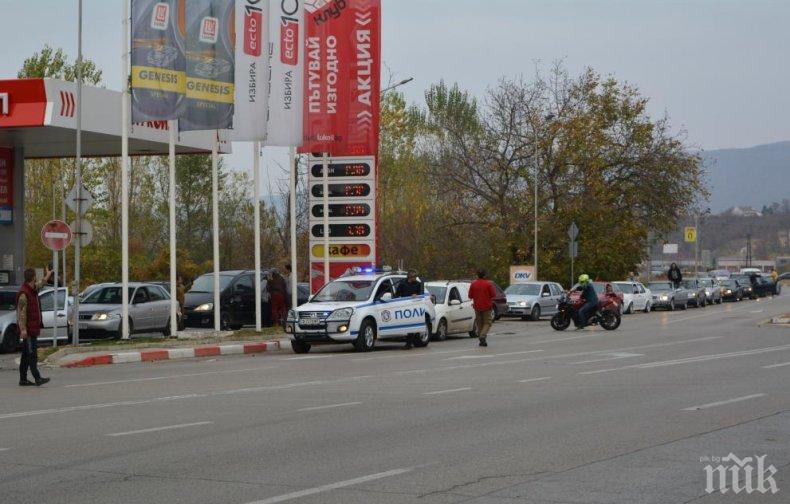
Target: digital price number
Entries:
(342, 170)
(343, 210)
(342, 230)
(342, 190)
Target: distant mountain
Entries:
(754, 177)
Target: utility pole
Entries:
(696, 245)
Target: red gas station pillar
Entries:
(12, 214)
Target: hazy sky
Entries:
(719, 68)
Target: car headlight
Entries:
(104, 316)
(523, 304)
(664, 298)
(341, 314)
(291, 316)
(728, 291)
(205, 307)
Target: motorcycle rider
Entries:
(590, 298)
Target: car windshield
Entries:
(730, 283)
(437, 292)
(523, 290)
(706, 282)
(689, 284)
(345, 290)
(624, 286)
(107, 295)
(7, 300)
(600, 287)
(659, 286)
(205, 283)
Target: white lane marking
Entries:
(772, 366)
(415, 354)
(4, 449)
(756, 311)
(692, 360)
(488, 356)
(157, 429)
(309, 357)
(329, 406)
(529, 380)
(98, 406)
(450, 391)
(155, 378)
(331, 486)
(612, 356)
(722, 403)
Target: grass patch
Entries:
(118, 342)
(252, 335)
(44, 352)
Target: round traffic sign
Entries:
(56, 235)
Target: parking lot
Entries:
(538, 416)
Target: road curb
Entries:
(155, 355)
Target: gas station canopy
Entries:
(40, 117)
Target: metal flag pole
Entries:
(215, 227)
(78, 181)
(172, 126)
(325, 170)
(294, 174)
(125, 175)
(256, 177)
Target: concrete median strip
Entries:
(154, 355)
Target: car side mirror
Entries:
(455, 302)
(386, 297)
(545, 294)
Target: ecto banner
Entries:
(210, 90)
(286, 57)
(252, 70)
(158, 59)
(342, 77)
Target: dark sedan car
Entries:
(765, 286)
(747, 285)
(731, 290)
(237, 301)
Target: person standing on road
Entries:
(674, 275)
(277, 289)
(28, 316)
(590, 298)
(482, 294)
(409, 288)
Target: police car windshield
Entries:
(523, 290)
(345, 290)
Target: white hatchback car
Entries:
(454, 311)
(635, 296)
(360, 309)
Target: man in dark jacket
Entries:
(409, 288)
(28, 316)
(674, 275)
(590, 298)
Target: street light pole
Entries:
(399, 84)
(537, 167)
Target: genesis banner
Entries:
(252, 70)
(342, 77)
(286, 57)
(6, 186)
(210, 74)
(158, 59)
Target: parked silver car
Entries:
(531, 300)
(665, 295)
(697, 295)
(9, 331)
(712, 290)
(100, 313)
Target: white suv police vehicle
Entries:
(360, 308)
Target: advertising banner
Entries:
(286, 57)
(210, 73)
(6, 186)
(342, 77)
(158, 59)
(521, 274)
(252, 70)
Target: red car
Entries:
(500, 302)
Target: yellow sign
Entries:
(348, 251)
(690, 234)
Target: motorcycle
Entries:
(607, 315)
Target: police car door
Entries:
(382, 305)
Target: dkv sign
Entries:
(522, 274)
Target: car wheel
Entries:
(366, 338)
(441, 330)
(424, 338)
(647, 307)
(630, 308)
(672, 304)
(497, 316)
(10, 340)
(685, 306)
(300, 347)
(535, 314)
(166, 330)
(224, 321)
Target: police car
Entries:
(360, 308)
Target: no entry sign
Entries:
(56, 235)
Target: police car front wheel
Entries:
(421, 340)
(300, 347)
(366, 338)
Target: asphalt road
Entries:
(539, 416)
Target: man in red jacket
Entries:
(482, 294)
(28, 316)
